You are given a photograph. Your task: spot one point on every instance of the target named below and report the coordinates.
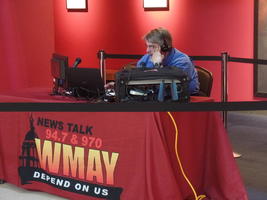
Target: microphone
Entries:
(143, 65)
(77, 62)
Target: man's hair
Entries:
(160, 36)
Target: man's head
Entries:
(158, 38)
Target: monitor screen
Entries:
(59, 70)
(59, 66)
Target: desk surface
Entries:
(34, 95)
(43, 95)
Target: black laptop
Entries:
(85, 82)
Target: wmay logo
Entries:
(28, 159)
(30, 171)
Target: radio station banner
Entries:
(119, 155)
(68, 156)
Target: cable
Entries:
(200, 197)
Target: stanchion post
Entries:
(102, 66)
(224, 56)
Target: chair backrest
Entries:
(129, 65)
(205, 79)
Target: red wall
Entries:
(31, 31)
(26, 43)
(204, 27)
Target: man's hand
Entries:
(157, 57)
(109, 85)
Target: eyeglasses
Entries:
(151, 46)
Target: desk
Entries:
(119, 155)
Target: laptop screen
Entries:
(87, 80)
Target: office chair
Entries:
(205, 79)
(129, 65)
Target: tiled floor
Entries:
(10, 192)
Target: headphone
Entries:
(164, 47)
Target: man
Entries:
(160, 53)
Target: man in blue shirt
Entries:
(160, 53)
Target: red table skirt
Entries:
(120, 155)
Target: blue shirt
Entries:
(178, 59)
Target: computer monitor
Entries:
(86, 82)
(77, 82)
(59, 71)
